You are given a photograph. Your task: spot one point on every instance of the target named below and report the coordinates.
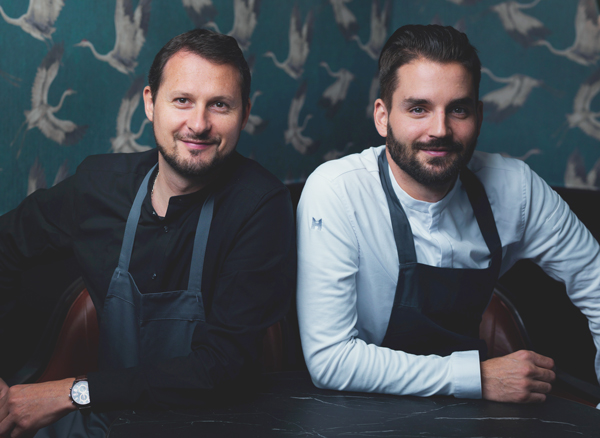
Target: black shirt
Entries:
(248, 274)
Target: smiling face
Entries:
(432, 126)
(197, 115)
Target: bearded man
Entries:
(187, 250)
(400, 246)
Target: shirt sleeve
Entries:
(252, 291)
(556, 240)
(328, 264)
(39, 228)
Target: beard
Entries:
(193, 167)
(437, 171)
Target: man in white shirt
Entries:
(400, 246)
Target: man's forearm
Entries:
(27, 408)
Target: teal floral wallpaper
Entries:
(72, 71)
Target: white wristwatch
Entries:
(80, 393)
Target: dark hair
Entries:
(432, 42)
(214, 47)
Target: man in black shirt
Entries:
(182, 310)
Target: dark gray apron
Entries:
(142, 329)
(438, 310)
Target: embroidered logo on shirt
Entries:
(316, 224)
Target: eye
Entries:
(417, 110)
(461, 111)
(182, 100)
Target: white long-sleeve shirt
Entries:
(348, 267)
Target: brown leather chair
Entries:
(75, 350)
(503, 331)
(502, 328)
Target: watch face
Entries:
(80, 393)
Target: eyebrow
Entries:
(411, 101)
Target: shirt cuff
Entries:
(466, 374)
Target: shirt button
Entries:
(153, 276)
(166, 229)
(153, 213)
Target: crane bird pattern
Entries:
(73, 71)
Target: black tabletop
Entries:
(290, 406)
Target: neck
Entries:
(169, 183)
(414, 189)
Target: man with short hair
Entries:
(188, 251)
(400, 246)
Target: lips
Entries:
(195, 143)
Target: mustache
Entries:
(440, 143)
(203, 137)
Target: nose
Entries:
(440, 125)
(199, 120)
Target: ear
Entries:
(479, 116)
(246, 114)
(148, 104)
(380, 116)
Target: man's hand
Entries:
(519, 377)
(24, 409)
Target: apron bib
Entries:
(141, 329)
(438, 310)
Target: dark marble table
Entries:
(291, 406)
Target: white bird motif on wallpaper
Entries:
(293, 135)
(379, 24)
(125, 141)
(335, 94)
(501, 103)
(245, 17)
(521, 27)
(344, 18)
(131, 28)
(39, 18)
(300, 37)
(576, 176)
(255, 124)
(200, 11)
(41, 115)
(586, 48)
(37, 176)
(582, 117)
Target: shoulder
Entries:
(133, 163)
(248, 182)
(252, 178)
(350, 184)
(350, 166)
(113, 178)
(247, 189)
(501, 176)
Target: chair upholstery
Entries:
(504, 332)
(502, 328)
(76, 349)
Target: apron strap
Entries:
(484, 215)
(132, 222)
(200, 241)
(400, 225)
